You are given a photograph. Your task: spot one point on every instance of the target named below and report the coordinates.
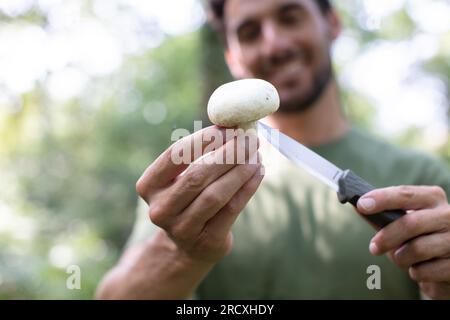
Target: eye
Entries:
(289, 19)
(291, 16)
(249, 32)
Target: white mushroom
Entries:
(240, 103)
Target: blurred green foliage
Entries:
(68, 169)
(71, 168)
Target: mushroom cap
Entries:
(242, 101)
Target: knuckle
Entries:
(195, 180)
(411, 222)
(157, 216)
(180, 233)
(209, 242)
(211, 198)
(417, 250)
(406, 192)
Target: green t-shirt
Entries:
(295, 240)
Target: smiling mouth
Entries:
(287, 72)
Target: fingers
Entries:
(422, 249)
(426, 206)
(166, 205)
(178, 157)
(435, 290)
(214, 198)
(418, 240)
(401, 197)
(221, 223)
(406, 228)
(437, 270)
(211, 239)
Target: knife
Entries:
(348, 185)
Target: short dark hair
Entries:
(216, 13)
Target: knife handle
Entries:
(352, 187)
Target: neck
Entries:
(321, 123)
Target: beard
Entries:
(304, 102)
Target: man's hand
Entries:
(196, 204)
(420, 240)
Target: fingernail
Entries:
(373, 248)
(367, 203)
(399, 251)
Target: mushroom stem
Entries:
(248, 126)
(243, 102)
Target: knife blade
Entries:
(348, 185)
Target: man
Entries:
(293, 238)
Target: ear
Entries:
(234, 65)
(334, 22)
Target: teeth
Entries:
(280, 73)
(291, 67)
(296, 65)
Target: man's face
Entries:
(286, 42)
